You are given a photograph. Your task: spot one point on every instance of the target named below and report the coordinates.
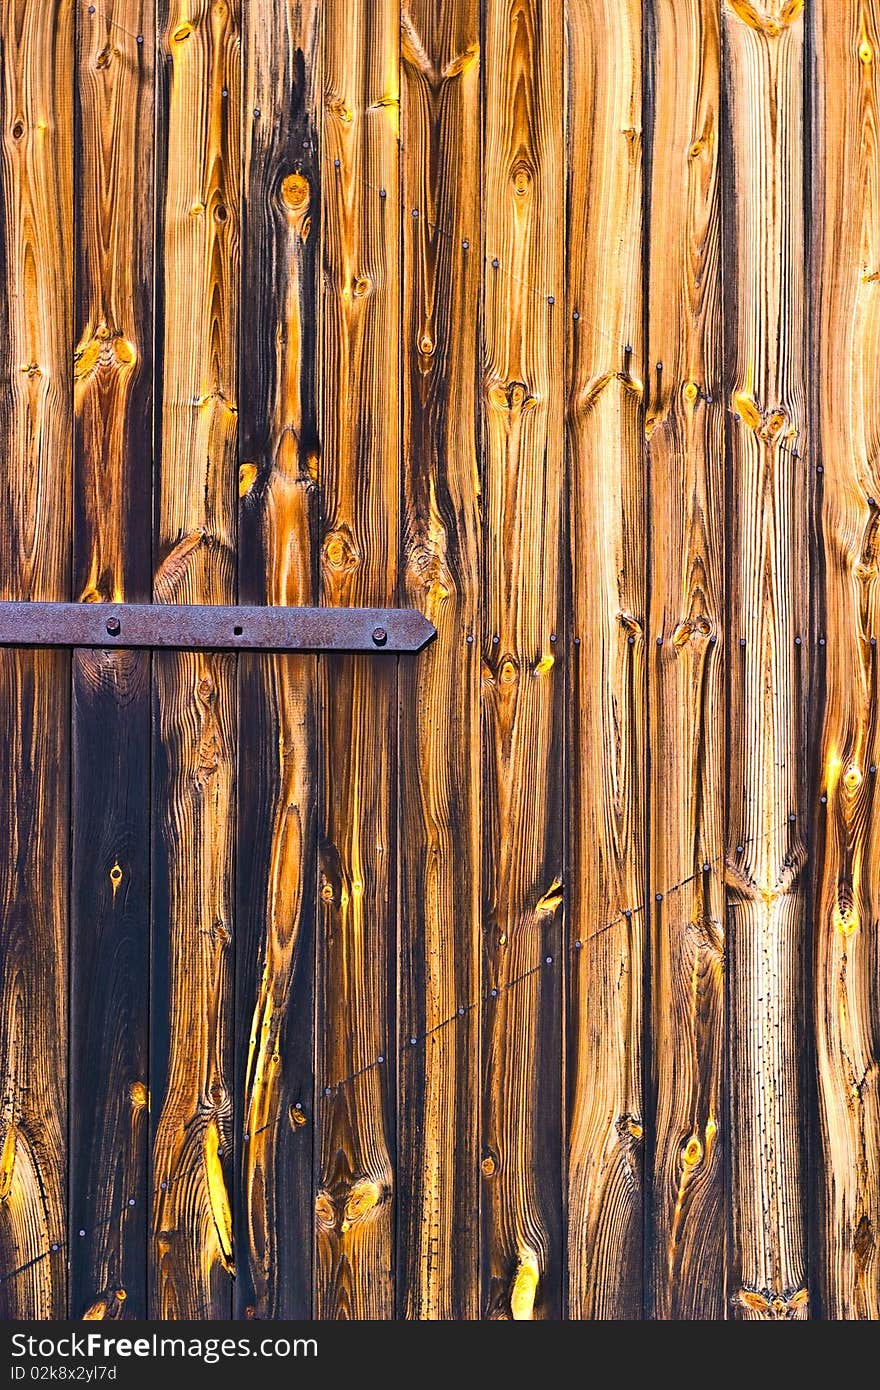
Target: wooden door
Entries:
(534, 975)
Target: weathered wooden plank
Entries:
(36, 415)
(359, 391)
(846, 305)
(110, 807)
(768, 589)
(195, 693)
(438, 1131)
(606, 690)
(523, 487)
(686, 696)
(277, 823)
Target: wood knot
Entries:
(7, 1160)
(845, 914)
(692, 1154)
(340, 552)
(775, 1307)
(139, 1095)
(863, 1242)
(106, 1307)
(325, 1210)
(365, 1197)
(428, 573)
(513, 396)
(629, 1127)
(220, 932)
(770, 25)
(768, 422)
(521, 178)
(525, 1287)
(339, 109)
(631, 626)
(247, 476)
(689, 629)
(295, 193)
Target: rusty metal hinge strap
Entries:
(205, 627)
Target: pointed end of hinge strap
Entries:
(424, 631)
(401, 630)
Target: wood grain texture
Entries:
(110, 918)
(36, 422)
(438, 1130)
(767, 610)
(195, 715)
(535, 975)
(523, 488)
(685, 431)
(605, 440)
(277, 827)
(846, 315)
(356, 973)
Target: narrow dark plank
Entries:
(36, 438)
(111, 694)
(277, 822)
(438, 1129)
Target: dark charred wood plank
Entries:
(110, 920)
(278, 516)
(438, 1128)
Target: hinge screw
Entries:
(380, 636)
(113, 627)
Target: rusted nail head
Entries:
(113, 626)
(380, 636)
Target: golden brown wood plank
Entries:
(846, 276)
(277, 824)
(36, 424)
(523, 488)
(438, 1130)
(110, 917)
(355, 1046)
(606, 689)
(195, 693)
(685, 432)
(768, 612)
